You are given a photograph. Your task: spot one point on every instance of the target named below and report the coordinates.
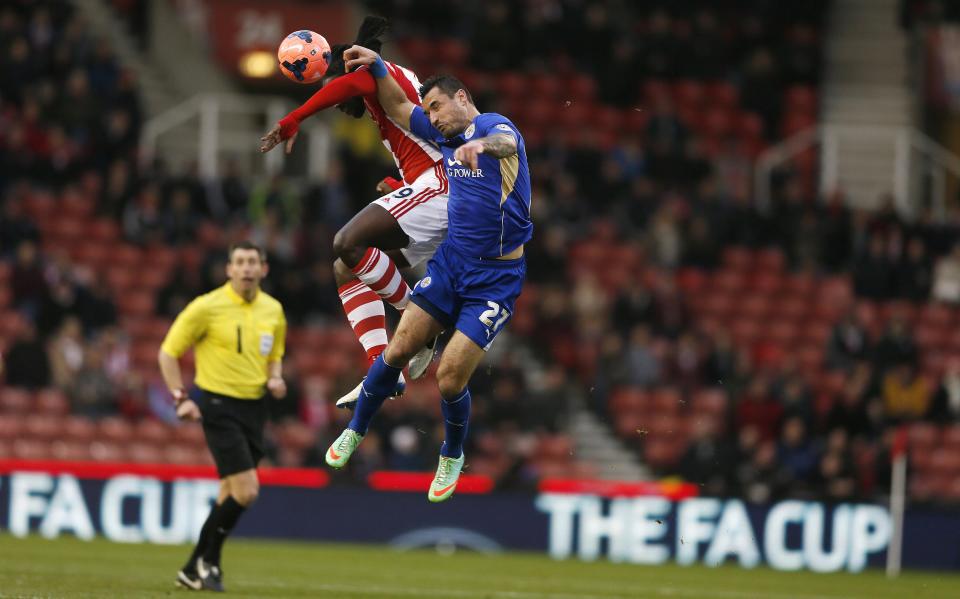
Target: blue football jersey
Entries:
(489, 209)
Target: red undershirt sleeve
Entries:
(351, 85)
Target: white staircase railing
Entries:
(920, 174)
(209, 127)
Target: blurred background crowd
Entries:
(761, 353)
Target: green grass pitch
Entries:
(36, 567)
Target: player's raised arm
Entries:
(498, 145)
(393, 99)
(341, 89)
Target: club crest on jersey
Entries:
(470, 131)
(424, 282)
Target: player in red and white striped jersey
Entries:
(400, 229)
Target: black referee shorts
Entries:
(234, 430)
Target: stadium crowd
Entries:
(667, 200)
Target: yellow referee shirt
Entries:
(234, 340)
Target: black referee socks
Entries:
(204, 540)
(222, 520)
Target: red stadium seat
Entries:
(512, 85)
(70, 451)
(103, 231)
(652, 90)
(120, 279)
(709, 401)
(136, 304)
(31, 449)
(14, 400)
(749, 126)
(937, 315)
(52, 402)
(10, 426)
(582, 88)
(923, 436)
(555, 447)
(951, 437)
(688, 93)
(745, 331)
(726, 281)
(629, 400)
(801, 98)
(790, 308)
(737, 258)
(153, 431)
(662, 452)
(79, 428)
(115, 429)
(635, 120)
(723, 94)
(717, 122)
(107, 451)
(666, 400)
(450, 52)
(754, 306)
(144, 453)
(783, 333)
(546, 86)
(189, 433)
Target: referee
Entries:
(238, 333)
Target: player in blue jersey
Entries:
(477, 272)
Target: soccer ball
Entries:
(304, 56)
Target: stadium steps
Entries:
(175, 67)
(156, 90)
(595, 442)
(867, 84)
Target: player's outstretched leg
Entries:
(380, 382)
(415, 329)
(456, 420)
(460, 358)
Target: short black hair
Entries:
(448, 84)
(246, 245)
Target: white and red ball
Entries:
(304, 56)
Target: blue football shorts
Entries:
(474, 295)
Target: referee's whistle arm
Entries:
(277, 387)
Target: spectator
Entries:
(836, 475)
(27, 282)
(896, 347)
(701, 249)
(914, 274)
(494, 38)
(92, 394)
(15, 226)
(756, 409)
(26, 360)
(708, 459)
(872, 271)
(852, 410)
(946, 278)
(143, 219)
(66, 351)
(797, 454)
(945, 405)
(643, 365)
(906, 395)
(849, 342)
(95, 305)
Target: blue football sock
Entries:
(456, 418)
(380, 384)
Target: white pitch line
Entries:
(625, 593)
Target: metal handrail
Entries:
(905, 139)
(208, 109)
